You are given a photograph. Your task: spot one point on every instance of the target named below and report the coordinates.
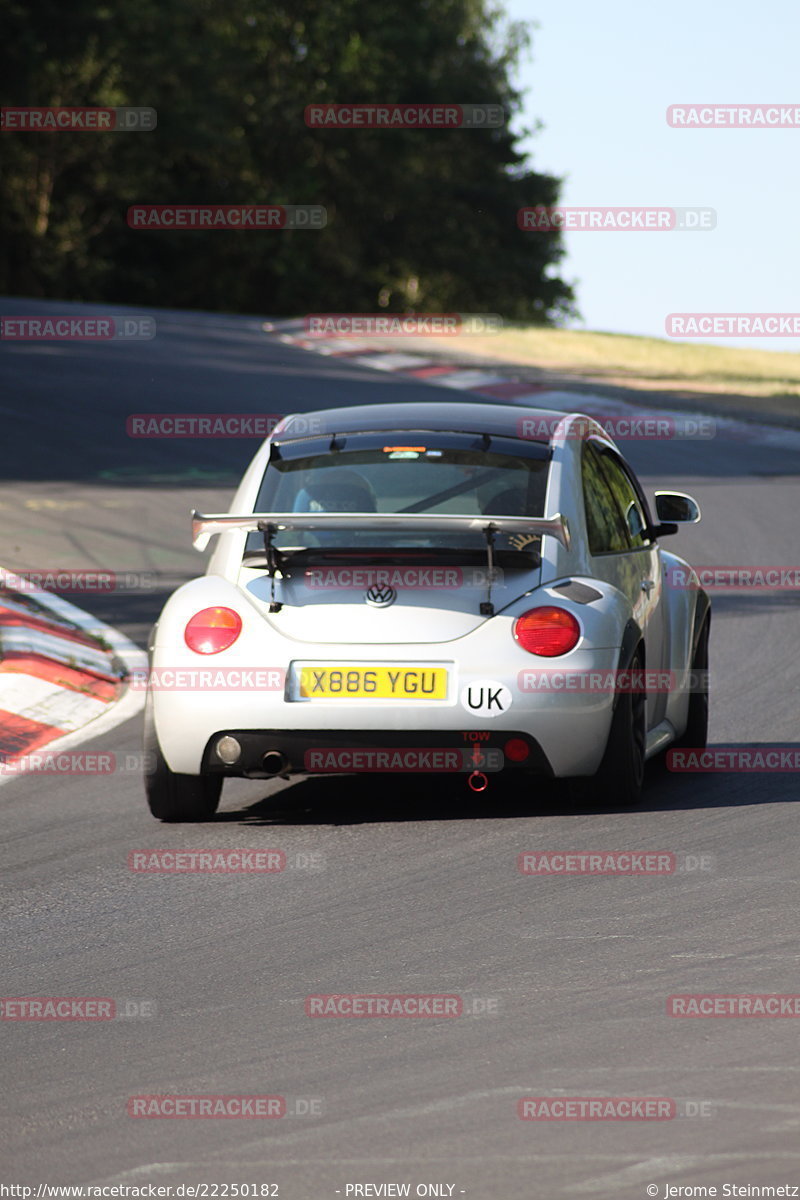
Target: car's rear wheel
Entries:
(620, 776)
(695, 735)
(171, 796)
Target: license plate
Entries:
(372, 683)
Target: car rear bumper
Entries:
(569, 726)
(266, 753)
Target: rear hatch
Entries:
(431, 516)
(390, 602)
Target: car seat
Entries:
(337, 490)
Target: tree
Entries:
(417, 220)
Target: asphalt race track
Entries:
(393, 886)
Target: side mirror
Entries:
(677, 506)
(673, 508)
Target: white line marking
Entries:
(39, 700)
(132, 657)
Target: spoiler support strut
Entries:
(268, 524)
(274, 560)
(487, 607)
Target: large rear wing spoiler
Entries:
(204, 526)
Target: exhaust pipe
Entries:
(478, 781)
(275, 762)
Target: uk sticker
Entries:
(486, 697)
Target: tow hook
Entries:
(478, 781)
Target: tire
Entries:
(695, 735)
(174, 797)
(620, 775)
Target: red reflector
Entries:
(212, 630)
(516, 749)
(547, 631)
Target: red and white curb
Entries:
(62, 675)
(504, 386)
(427, 370)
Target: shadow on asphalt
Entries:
(374, 799)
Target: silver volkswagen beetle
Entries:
(470, 588)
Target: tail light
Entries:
(212, 630)
(547, 631)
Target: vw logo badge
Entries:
(380, 595)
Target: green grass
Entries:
(644, 362)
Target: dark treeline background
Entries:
(417, 220)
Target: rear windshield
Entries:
(401, 474)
